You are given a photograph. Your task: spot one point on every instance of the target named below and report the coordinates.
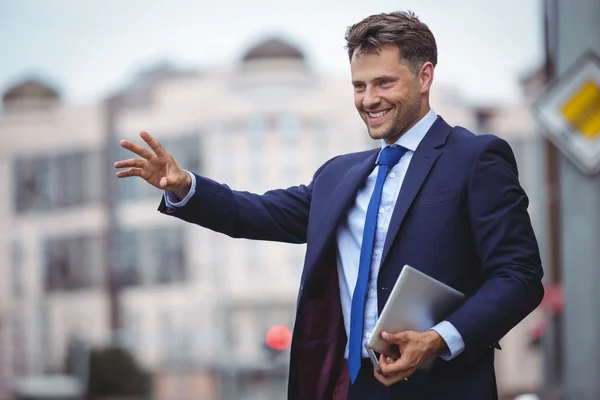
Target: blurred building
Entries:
(51, 221)
(195, 306)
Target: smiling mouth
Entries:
(377, 114)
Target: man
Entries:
(435, 197)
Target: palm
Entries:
(155, 169)
(157, 166)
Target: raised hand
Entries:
(157, 166)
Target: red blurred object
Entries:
(553, 301)
(279, 337)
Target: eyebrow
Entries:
(386, 78)
(379, 78)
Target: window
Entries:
(288, 127)
(42, 183)
(68, 180)
(170, 265)
(256, 128)
(127, 189)
(94, 170)
(68, 264)
(72, 174)
(128, 258)
(78, 263)
(321, 141)
(96, 258)
(150, 256)
(289, 124)
(57, 265)
(45, 183)
(31, 177)
(187, 151)
(19, 344)
(17, 267)
(143, 256)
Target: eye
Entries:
(384, 82)
(359, 87)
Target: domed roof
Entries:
(30, 89)
(273, 48)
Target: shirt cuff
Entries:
(453, 339)
(173, 201)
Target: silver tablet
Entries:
(417, 303)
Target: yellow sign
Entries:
(569, 112)
(582, 110)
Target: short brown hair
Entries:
(401, 28)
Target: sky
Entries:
(88, 48)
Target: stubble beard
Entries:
(402, 122)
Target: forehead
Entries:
(370, 65)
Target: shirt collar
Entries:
(411, 139)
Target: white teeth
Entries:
(379, 114)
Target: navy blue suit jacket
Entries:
(461, 217)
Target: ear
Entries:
(426, 77)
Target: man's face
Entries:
(387, 94)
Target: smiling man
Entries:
(433, 196)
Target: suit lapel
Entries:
(428, 151)
(341, 198)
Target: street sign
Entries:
(569, 111)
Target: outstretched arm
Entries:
(278, 215)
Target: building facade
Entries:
(52, 218)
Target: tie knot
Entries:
(391, 155)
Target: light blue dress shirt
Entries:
(349, 240)
(350, 232)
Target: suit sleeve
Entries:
(278, 215)
(511, 270)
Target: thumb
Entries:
(392, 337)
(170, 181)
(163, 183)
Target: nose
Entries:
(371, 100)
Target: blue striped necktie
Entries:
(387, 159)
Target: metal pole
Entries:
(578, 30)
(552, 340)
(550, 23)
(112, 228)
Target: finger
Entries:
(169, 181)
(153, 143)
(163, 183)
(383, 361)
(132, 162)
(393, 337)
(137, 149)
(129, 172)
(390, 366)
(388, 380)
